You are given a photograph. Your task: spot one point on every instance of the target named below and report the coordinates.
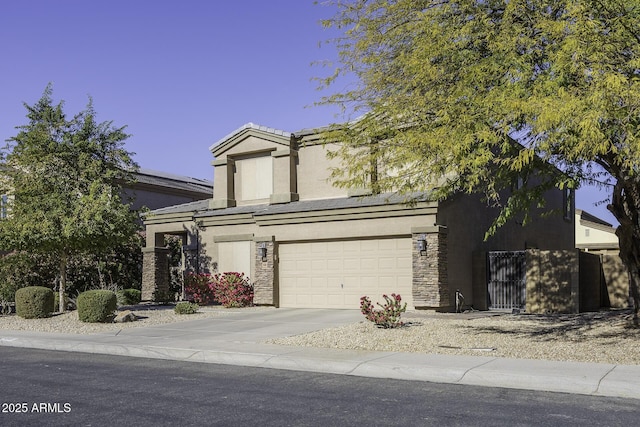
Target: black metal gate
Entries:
(507, 279)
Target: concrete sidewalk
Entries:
(238, 339)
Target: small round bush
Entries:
(96, 306)
(129, 296)
(34, 302)
(185, 307)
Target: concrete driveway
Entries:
(249, 325)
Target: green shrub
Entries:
(97, 306)
(19, 270)
(185, 307)
(34, 302)
(129, 296)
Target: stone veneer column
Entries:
(264, 291)
(155, 272)
(430, 281)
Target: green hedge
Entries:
(34, 302)
(97, 306)
(129, 296)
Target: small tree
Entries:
(63, 177)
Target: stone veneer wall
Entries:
(155, 272)
(264, 292)
(430, 281)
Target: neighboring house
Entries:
(594, 234)
(154, 189)
(276, 217)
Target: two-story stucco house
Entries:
(276, 217)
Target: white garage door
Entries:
(336, 274)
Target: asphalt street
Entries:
(49, 388)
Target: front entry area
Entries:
(335, 274)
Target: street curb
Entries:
(540, 375)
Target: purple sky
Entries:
(179, 74)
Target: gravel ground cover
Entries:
(602, 337)
(148, 315)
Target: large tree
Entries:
(446, 85)
(63, 178)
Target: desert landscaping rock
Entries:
(605, 337)
(125, 316)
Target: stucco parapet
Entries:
(233, 238)
(264, 239)
(275, 199)
(429, 229)
(168, 218)
(221, 203)
(264, 133)
(227, 161)
(349, 214)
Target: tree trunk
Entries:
(625, 206)
(63, 282)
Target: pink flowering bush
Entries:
(389, 316)
(198, 289)
(232, 290)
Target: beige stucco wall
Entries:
(314, 172)
(326, 230)
(154, 232)
(301, 173)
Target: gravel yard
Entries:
(603, 337)
(70, 324)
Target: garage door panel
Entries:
(334, 264)
(369, 263)
(351, 247)
(319, 265)
(352, 264)
(340, 272)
